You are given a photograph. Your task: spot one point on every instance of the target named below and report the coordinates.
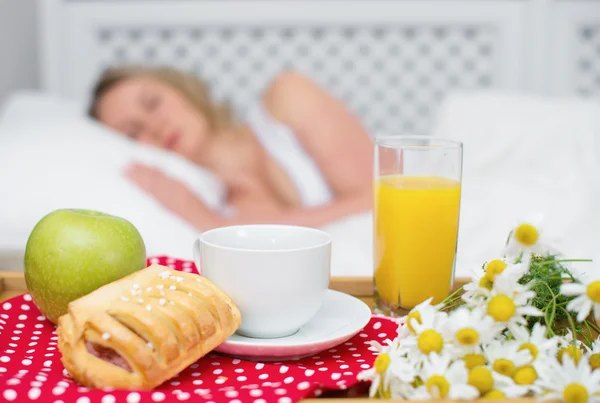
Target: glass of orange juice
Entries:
(417, 193)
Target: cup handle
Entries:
(196, 252)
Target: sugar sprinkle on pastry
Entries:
(151, 345)
(165, 274)
(125, 299)
(148, 307)
(160, 286)
(141, 301)
(162, 301)
(149, 289)
(172, 287)
(105, 336)
(136, 286)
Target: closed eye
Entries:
(133, 130)
(152, 103)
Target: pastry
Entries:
(141, 330)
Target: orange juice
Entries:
(416, 228)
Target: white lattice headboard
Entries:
(392, 61)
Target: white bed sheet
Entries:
(526, 155)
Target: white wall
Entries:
(18, 46)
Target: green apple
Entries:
(72, 252)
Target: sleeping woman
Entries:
(299, 156)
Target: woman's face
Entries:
(154, 113)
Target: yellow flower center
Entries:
(504, 367)
(494, 394)
(473, 360)
(501, 308)
(439, 383)
(413, 315)
(525, 375)
(485, 282)
(493, 268)
(595, 361)
(575, 393)
(481, 378)
(430, 341)
(526, 234)
(571, 351)
(468, 336)
(593, 291)
(533, 350)
(381, 363)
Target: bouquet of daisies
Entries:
(525, 326)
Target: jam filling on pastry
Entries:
(107, 354)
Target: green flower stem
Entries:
(592, 325)
(589, 331)
(550, 320)
(547, 262)
(455, 294)
(573, 328)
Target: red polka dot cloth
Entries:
(31, 370)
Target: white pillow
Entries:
(525, 154)
(52, 156)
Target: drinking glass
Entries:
(417, 193)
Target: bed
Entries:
(517, 81)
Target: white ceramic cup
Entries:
(277, 275)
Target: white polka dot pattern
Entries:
(32, 370)
(394, 77)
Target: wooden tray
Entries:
(13, 284)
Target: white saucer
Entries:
(341, 317)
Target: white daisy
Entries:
(568, 346)
(570, 382)
(541, 349)
(539, 345)
(469, 329)
(443, 378)
(423, 312)
(387, 368)
(491, 383)
(594, 355)
(514, 375)
(474, 291)
(526, 378)
(528, 238)
(508, 301)
(494, 267)
(505, 356)
(405, 391)
(428, 336)
(588, 297)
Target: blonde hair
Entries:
(197, 92)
